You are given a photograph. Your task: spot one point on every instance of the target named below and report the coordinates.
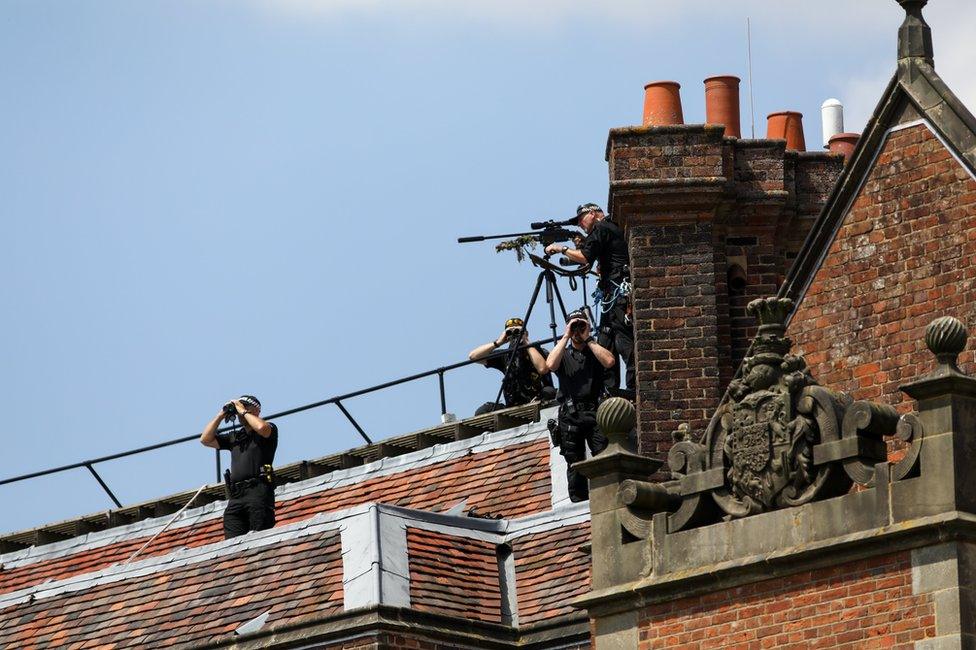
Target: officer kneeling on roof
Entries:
(250, 480)
(526, 376)
(579, 363)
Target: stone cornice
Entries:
(950, 526)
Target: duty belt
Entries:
(579, 404)
(235, 488)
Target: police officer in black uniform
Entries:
(525, 377)
(606, 246)
(579, 362)
(250, 479)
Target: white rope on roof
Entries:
(161, 530)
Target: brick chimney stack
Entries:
(712, 222)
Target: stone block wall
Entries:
(891, 564)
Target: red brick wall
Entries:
(410, 642)
(388, 641)
(676, 328)
(670, 152)
(905, 254)
(866, 604)
(371, 642)
(403, 641)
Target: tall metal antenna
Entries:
(752, 106)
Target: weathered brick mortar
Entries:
(865, 604)
(692, 201)
(903, 256)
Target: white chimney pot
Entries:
(832, 113)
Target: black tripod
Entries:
(547, 275)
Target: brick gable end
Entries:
(904, 255)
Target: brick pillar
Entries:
(678, 328)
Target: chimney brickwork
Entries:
(695, 204)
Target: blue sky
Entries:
(214, 197)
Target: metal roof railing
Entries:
(337, 400)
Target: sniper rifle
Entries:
(543, 232)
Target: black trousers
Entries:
(617, 335)
(577, 428)
(252, 509)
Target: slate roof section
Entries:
(915, 91)
(550, 572)
(189, 605)
(454, 575)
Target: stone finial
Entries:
(914, 35)
(616, 418)
(946, 337)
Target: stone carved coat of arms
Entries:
(765, 439)
(760, 445)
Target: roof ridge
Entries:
(488, 441)
(464, 434)
(503, 530)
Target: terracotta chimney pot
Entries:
(844, 143)
(662, 103)
(786, 125)
(722, 103)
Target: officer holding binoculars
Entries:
(605, 248)
(527, 375)
(579, 362)
(250, 480)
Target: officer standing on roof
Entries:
(579, 362)
(526, 377)
(606, 246)
(250, 479)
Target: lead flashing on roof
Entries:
(183, 557)
(376, 548)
